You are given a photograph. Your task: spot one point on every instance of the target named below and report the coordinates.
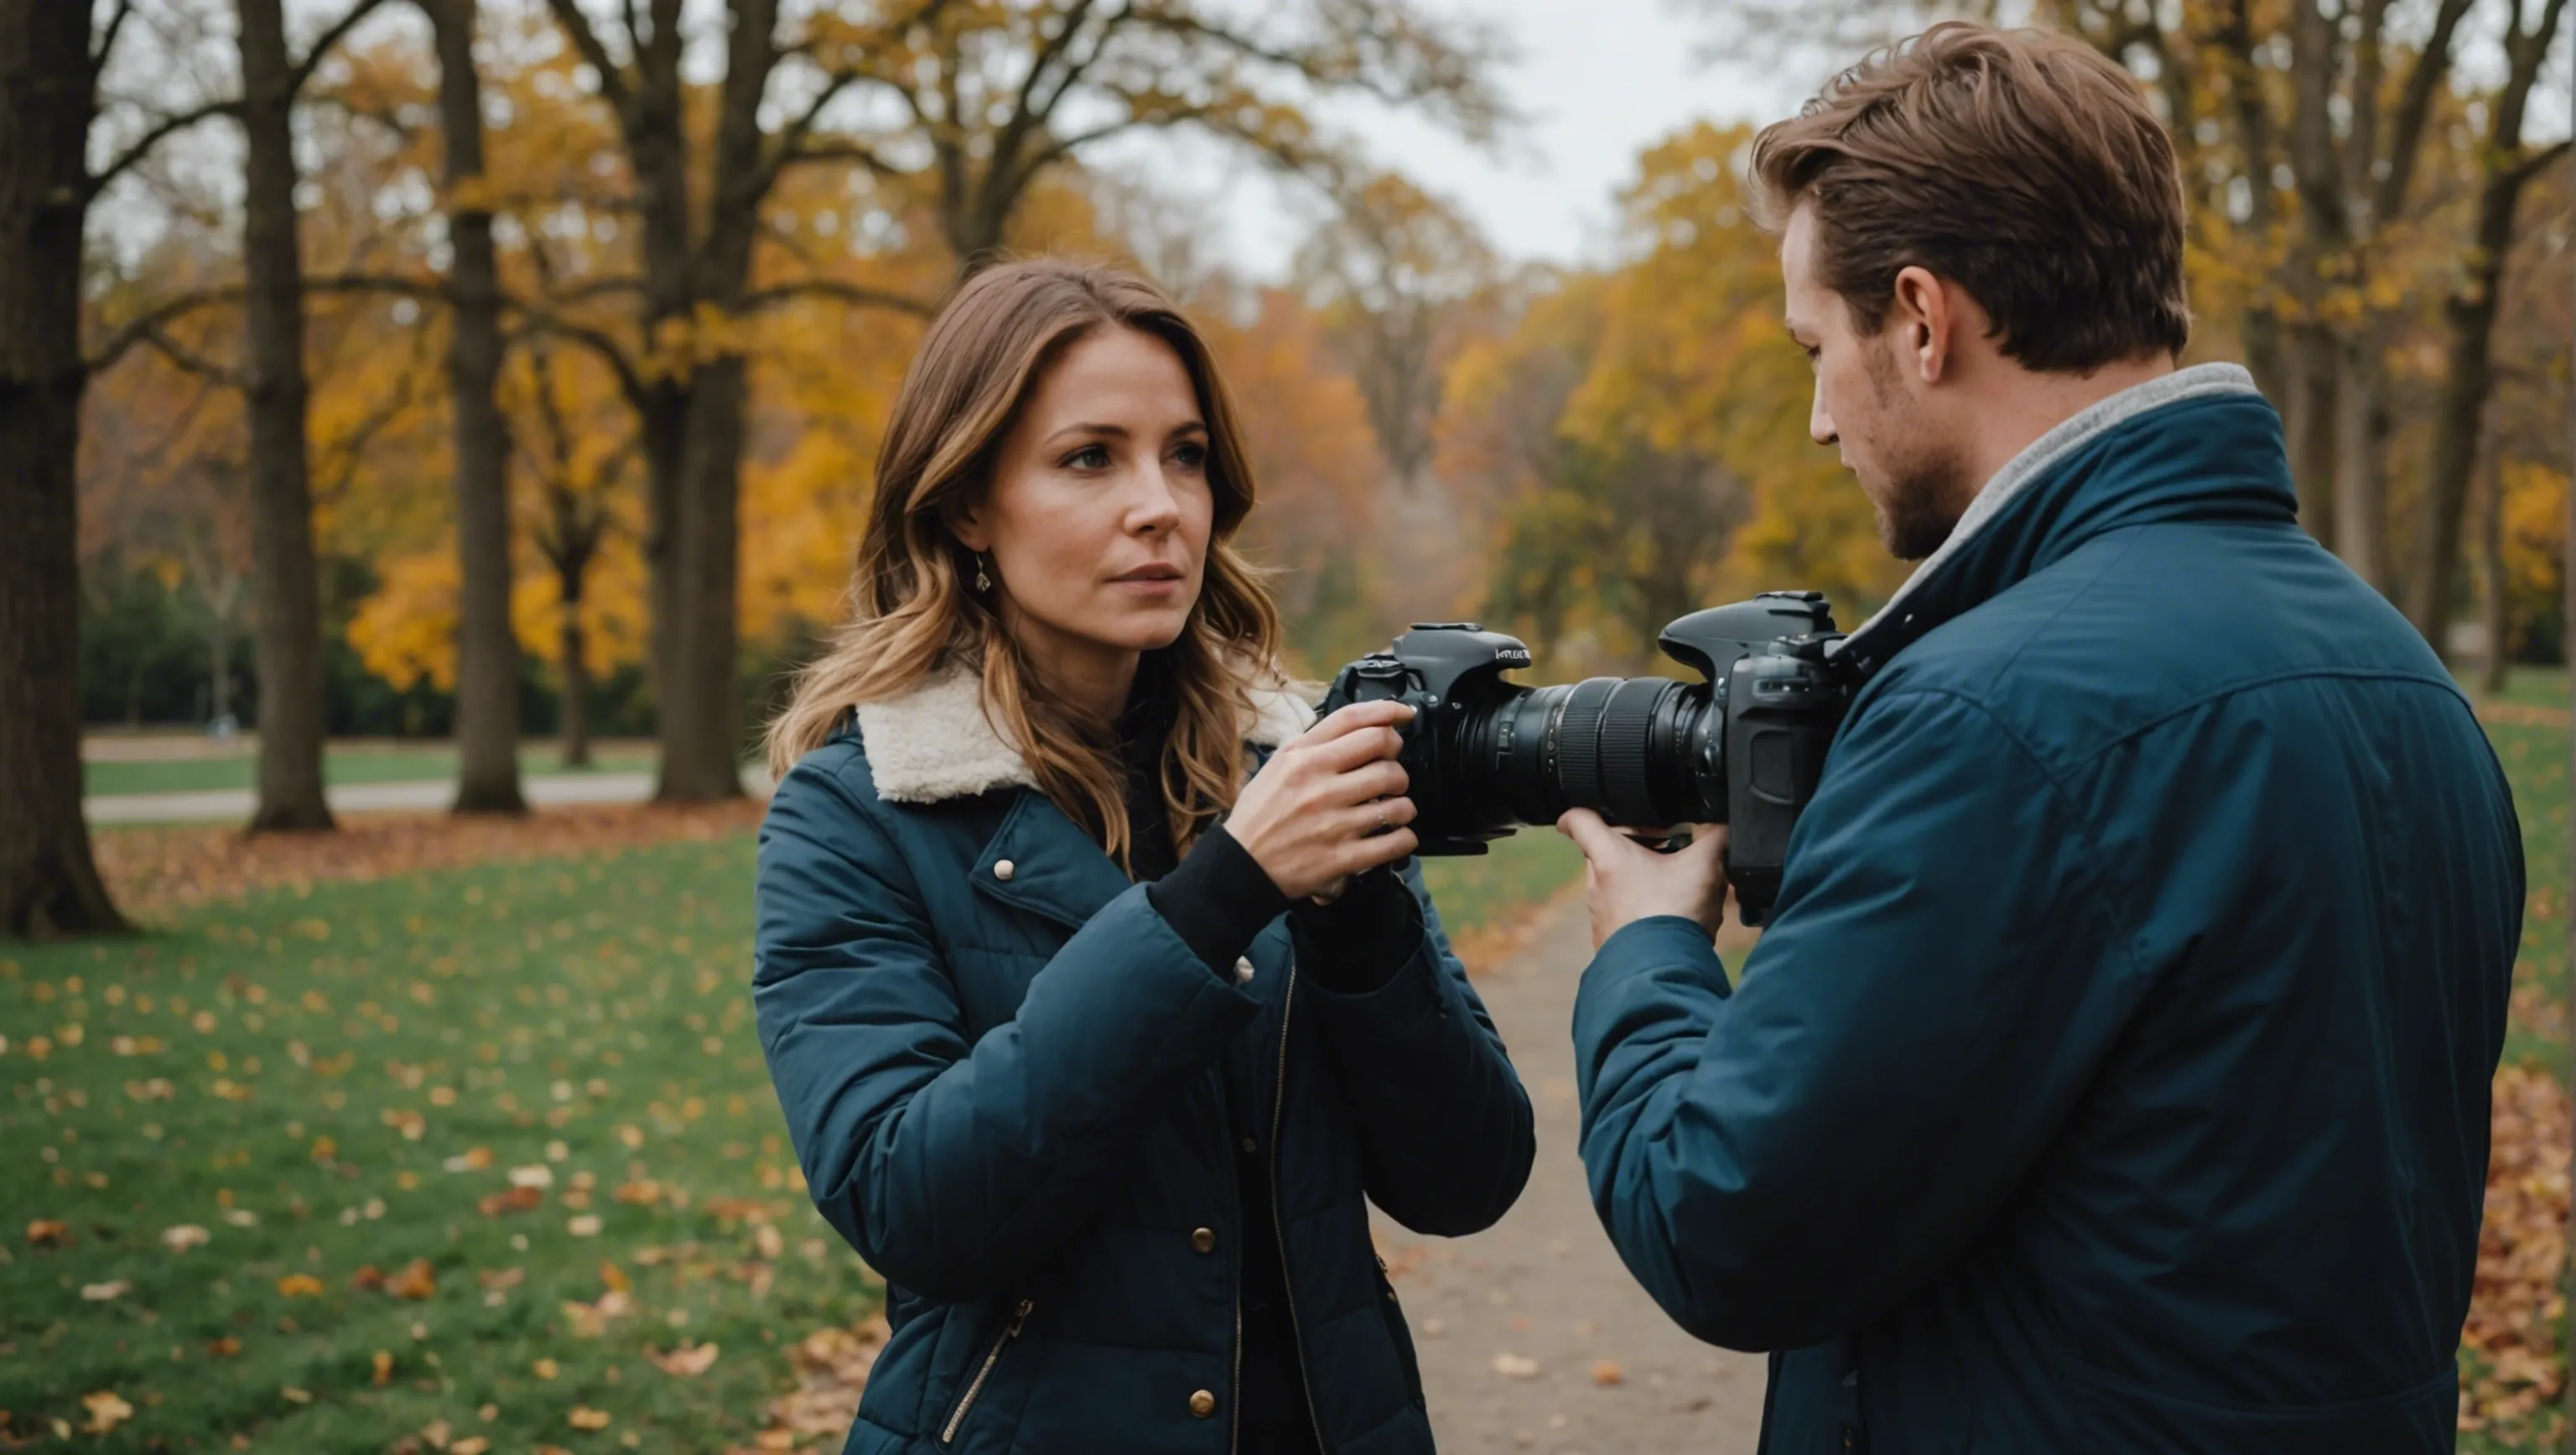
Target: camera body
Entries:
(1744, 746)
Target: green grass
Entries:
(343, 764)
(587, 1016)
(2536, 763)
(2527, 686)
(265, 1061)
(1523, 869)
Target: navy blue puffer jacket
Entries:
(2113, 1076)
(1003, 1073)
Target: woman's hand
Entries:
(1310, 817)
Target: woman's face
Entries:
(1098, 515)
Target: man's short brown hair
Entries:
(2025, 168)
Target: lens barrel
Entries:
(1640, 751)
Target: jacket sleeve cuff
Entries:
(1662, 940)
(1357, 943)
(1217, 900)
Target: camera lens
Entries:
(1637, 750)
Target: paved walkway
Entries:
(430, 796)
(1532, 1335)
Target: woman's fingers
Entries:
(1347, 751)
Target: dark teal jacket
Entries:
(1005, 1094)
(2114, 1075)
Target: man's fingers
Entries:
(1596, 839)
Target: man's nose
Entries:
(1820, 425)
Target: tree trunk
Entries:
(700, 720)
(701, 750)
(2469, 316)
(487, 652)
(2313, 420)
(2361, 460)
(2491, 583)
(288, 599)
(49, 882)
(576, 675)
(219, 652)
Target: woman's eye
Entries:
(1190, 456)
(1089, 457)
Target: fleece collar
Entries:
(935, 742)
(2197, 444)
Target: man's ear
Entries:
(1920, 322)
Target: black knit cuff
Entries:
(1357, 943)
(1217, 900)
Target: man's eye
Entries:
(1089, 457)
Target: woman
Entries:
(1090, 1047)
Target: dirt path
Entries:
(1532, 1335)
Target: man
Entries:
(2113, 1075)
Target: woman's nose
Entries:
(1156, 506)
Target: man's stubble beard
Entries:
(1927, 485)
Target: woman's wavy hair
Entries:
(912, 613)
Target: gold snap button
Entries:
(1250, 1145)
(1243, 969)
(1003, 869)
(1203, 1404)
(1204, 1240)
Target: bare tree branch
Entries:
(139, 330)
(2414, 106)
(161, 131)
(106, 47)
(2537, 163)
(323, 44)
(189, 361)
(585, 39)
(853, 294)
(602, 345)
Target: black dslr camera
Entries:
(1742, 747)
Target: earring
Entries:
(983, 582)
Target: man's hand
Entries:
(1627, 881)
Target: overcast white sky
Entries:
(1597, 80)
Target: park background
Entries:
(414, 405)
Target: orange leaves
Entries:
(300, 1285)
(2522, 1246)
(832, 1368)
(510, 1200)
(48, 1233)
(686, 1362)
(583, 1417)
(1606, 1372)
(415, 1282)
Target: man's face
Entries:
(1870, 401)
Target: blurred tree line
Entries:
(494, 366)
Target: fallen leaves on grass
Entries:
(2521, 1249)
(48, 1233)
(415, 1282)
(686, 1362)
(583, 1417)
(510, 1200)
(114, 1288)
(831, 1373)
(300, 1285)
(151, 869)
(106, 1411)
(184, 1237)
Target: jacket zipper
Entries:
(1278, 1220)
(993, 1356)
